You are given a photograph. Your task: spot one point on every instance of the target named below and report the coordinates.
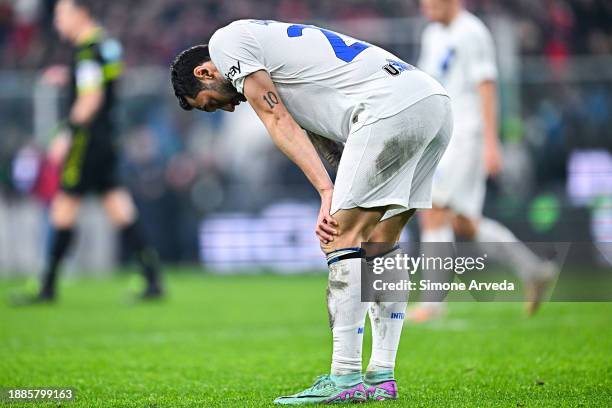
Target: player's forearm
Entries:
(488, 100)
(296, 145)
(85, 108)
(261, 93)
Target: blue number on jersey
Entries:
(344, 52)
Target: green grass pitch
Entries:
(240, 341)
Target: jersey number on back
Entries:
(346, 53)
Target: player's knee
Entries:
(434, 218)
(119, 208)
(120, 217)
(344, 239)
(64, 211)
(62, 220)
(465, 227)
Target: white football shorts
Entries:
(460, 180)
(391, 162)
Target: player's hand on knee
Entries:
(326, 224)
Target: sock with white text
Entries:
(346, 311)
(387, 320)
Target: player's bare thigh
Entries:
(359, 225)
(65, 210)
(390, 230)
(119, 207)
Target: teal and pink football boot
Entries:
(380, 386)
(329, 389)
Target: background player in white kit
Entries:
(395, 122)
(458, 50)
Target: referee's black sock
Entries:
(61, 239)
(147, 257)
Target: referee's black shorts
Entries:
(91, 164)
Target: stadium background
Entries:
(213, 189)
(216, 195)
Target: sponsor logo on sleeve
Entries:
(233, 71)
(395, 68)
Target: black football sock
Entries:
(145, 254)
(61, 239)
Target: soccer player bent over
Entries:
(91, 161)
(395, 122)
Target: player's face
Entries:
(67, 19)
(436, 10)
(219, 93)
(210, 100)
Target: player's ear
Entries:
(203, 72)
(198, 71)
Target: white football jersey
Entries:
(460, 56)
(331, 84)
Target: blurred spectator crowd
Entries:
(182, 166)
(154, 30)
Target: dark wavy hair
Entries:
(185, 84)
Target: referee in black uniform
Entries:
(91, 162)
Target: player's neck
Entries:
(452, 15)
